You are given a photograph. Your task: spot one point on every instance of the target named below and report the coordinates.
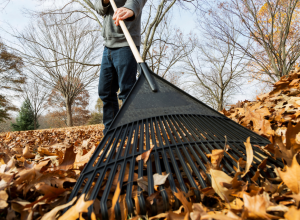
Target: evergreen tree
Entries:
(25, 120)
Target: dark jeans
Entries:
(118, 71)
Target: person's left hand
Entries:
(122, 14)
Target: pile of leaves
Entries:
(271, 113)
(38, 170)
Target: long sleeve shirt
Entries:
(112, 34)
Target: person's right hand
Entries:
(122, 14)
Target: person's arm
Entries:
(136, 6)
(129, 11)
(101, 6)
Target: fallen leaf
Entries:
(292, 214)
(188, 206)
(159, 179)
(73, 213)
(49, 192)
(291, 136)
(216, 157)
(27, 154)
(31, 174)
(218, 178)
(145, 156)
(115, 199)
(3, 199)
(257, 206)
(69, 159)
(197, 212)
(82, 160)
(291, 176)
(52, 214)
(143, 183)
(249, 152)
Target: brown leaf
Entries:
(5, 180)
(43, 151)
(52, 214)
(292, 214)
(31, 174)
(27, 154)
(188, 206)
(159, 179)
(114, 201)
(249, 152)
(230, 216)
(74, 212)
(145, 156)
(3, 199)
(291, 176)
(49, 192)
(198, 211)
(216, 157)
(269, 187)
(257, 206)
(82, 160)
(291, 136)
(143, 183)
(69, 159)
(218, 178)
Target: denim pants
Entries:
(118, 71)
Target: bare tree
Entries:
(63, 55)
(155, 11)
(217, 71)
(169, 48)
(270, 25)
(3, 4)
(37, 93)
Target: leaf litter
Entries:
(38, 170)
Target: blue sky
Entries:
(14, 15)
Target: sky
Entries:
(14, 15)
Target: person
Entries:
(118, 67)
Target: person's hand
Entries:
(122, 14)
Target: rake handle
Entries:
(128, 37)
(145, 69)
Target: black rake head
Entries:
(181, 132)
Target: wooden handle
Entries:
(128, 37)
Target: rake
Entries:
(180, 131)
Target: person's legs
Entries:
(126, 67)
(108, 88)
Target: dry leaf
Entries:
(292, 214)
(143, 183)
(114, 201)
(218, 178)
(144, 156)
(216, 157)
(249, 152)
(257, 206)
(69, 159)
(159, 179)
(3, 199)
(73, 213)
(186, 204)
(291, 176)
(198, 211)
(27, 154)
(52, 214)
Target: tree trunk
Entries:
(34, 122)
(221, 102)
(69, 114)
